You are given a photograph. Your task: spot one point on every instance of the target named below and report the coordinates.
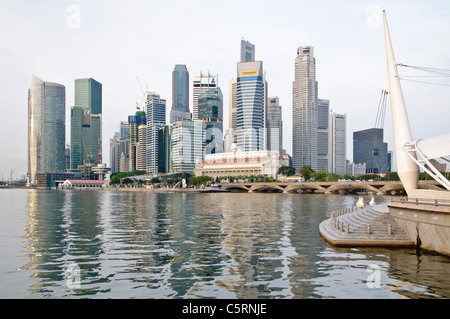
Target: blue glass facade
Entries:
(180, 88)
(46, 128)
(250, 106)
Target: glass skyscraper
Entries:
(304, 110)
(202, 82)
(156, 119)
(274, 125)
(369, 148)
(338, 144)
(323, 134)
(86, 124)
(210, 111)
(46, 128)
(247, 51)
(250, 103)
(180, 88)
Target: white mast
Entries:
(407, 169)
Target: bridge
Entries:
(351, 187)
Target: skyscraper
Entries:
(46, 127)
(156, 119)
(250, 89)
(180, 94)
(188, 141)
(134, 122)
(86, 123)
(114, 153)
(247, 51)
(210, 111)
(202, 82)
(304, 110)
(274, 125)
(323, 131)
(180, 88)
(338, 144)
(369, 148)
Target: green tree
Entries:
(306, 171)
(286, 170)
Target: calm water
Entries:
(101, 244)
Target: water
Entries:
(102, 244)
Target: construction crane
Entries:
(88, 154)
(138, 107)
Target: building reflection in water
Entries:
(176, 245)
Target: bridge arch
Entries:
(352, 188)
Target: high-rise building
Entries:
(338, 144)
(202, 82)
(156, 119)
(86, 123)
(134, 121)
(180, 94)
(369, 148)
(274, 125)
(210, 111)
(188, 140)
(304, 110)
(323, 117)
(46, 128)
(180, 88)
(141, 148)
(250, 97)
(247, 51)
(165, 149)
(114, 153)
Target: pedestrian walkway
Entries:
(366, 226)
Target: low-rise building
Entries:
(237, 163)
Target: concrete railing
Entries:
(339, 224)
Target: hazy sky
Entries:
(116, 41)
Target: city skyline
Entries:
(347, 40)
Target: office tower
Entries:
(304, 110)
(180, 94)
(247, 51)
(323, 117)
(46, 128)
(124, 130)
(202, 82)
(210, 111)
(274, 125)
(338, 144)
(114, 153)
(141, 148)
(250, 97)
(165, 149)
(369, 148)
(86, 124)
(156, 119)
(188, 141)
(134, 121)
(180, 88)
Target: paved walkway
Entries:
(367, 226)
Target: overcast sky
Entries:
(116, 41)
